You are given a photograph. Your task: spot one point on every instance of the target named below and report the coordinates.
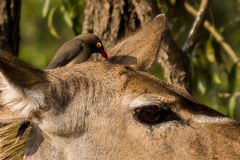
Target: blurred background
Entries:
(46, 24)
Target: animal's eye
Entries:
(98, 45)
(154, 114)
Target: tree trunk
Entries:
(114, 19)
(175, 63)
(9, 26)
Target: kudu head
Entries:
(108, 110)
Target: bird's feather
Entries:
(66, 53)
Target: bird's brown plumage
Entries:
(81, 46)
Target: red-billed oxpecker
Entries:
(80, 48)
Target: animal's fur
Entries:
(11, 146)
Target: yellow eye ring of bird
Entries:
(98, 45)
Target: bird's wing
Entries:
(66, 53)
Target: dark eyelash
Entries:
(155, 114)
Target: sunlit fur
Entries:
(18, 100)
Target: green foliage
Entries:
(37, 44)
(71, 10)
(216, 79)
(51, 19)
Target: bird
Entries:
(80, 48)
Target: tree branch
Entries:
(218, 37)
(197, 25)
(227, 95)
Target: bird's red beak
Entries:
(104, 54)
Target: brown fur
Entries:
(87, 111)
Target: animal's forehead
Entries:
(97, 71)
(115, 75)
(113, 81)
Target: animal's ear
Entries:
(20, 88)
(140, 50)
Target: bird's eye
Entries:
(154, 114)
(98, 45)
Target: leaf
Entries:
(217, 52)
(68, 12)
(202, 87)
(216, 79)
(51, 27)
(210, 51)
(232, 78)
(45, 8)
(231, 106)
(68, 19)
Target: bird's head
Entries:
(95, 44)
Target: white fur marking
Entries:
(19, 100)
(151, 100)
(209, 119)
